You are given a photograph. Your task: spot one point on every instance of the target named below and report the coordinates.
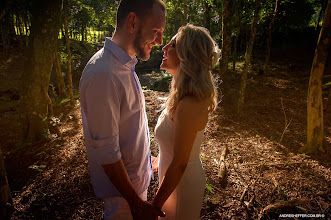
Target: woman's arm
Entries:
(155, 163)
(190, 117)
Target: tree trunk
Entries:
(315, 127)
(226, 36)
(27, 27)
(63, 35)
(82, 33)
(59, 77)
(8, 33)
(46, 18)
(235, 43)
(4, 36)
(20, 28)
(323, 6)
(4, 10)
(11, 27)
(248, 58)
(269, 40)
(52, 125)
(69, 55)
(184, 20)
(235, 47)
(207, 14)
(5, 196)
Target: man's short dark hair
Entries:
(140, 7)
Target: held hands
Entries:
(143, 210)
(155, 163)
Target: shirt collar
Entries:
(120, 54)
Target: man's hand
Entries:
(143, 210)
(139, 209)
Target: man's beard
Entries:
(139, 47)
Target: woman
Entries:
(189, 57)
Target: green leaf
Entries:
(209, 187)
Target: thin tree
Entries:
(248, 58)
(184, 19)
(269, 40)
(71, 93)
(226, 36)
(4, 10)
(207, 13)
(59, 77)
(315, 126)
(323, 6)
(235, 43)
(8, 33)
(45, 24)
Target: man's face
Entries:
(149, 33)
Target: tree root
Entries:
(283, 204)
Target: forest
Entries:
(267, 147)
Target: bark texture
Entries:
(269, 40)
(46, 19)
(184, 20)
(207, 14)
(59, 77)
(71, 93)
(315, 126)
(226, 36)
(248, 58)
(238, 29)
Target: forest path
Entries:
(50, 180)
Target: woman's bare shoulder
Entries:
(193, 110)
(193, 104)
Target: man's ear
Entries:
(132, 22)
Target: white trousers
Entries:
(117, 208)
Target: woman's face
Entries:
(170, 61)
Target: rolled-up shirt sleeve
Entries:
(101, 104)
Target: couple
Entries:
(115, 122)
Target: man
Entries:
(114, 116)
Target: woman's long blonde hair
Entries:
(198, 54)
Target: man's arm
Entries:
(103, 114)
(139, 209)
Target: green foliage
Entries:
(294, 14)
(196, 16)
(80, 50)
(99, 14)
(162, 84)
(93, 17)
(173, 20)
(209, 187)
(326, 85)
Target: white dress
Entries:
(186, 200)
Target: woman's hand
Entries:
(155, 163)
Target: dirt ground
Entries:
(50, 180)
